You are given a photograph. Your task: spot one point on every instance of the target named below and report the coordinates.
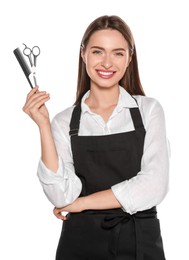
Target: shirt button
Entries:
(106, 130)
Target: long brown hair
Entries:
(130, 80)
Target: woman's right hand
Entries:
(35, 106)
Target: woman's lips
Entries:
(105, 74)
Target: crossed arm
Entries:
(96, 201)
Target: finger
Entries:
(57, 212)
(38, 97)
(34, 96)
(33, 91)
(64, 218)
(36, 103)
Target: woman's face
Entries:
(106, 58)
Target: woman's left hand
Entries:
(76, 206)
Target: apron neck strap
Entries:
(75, 120)
(136, 117)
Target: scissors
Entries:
(32, 55)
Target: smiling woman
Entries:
(106, 56)
(105, 159)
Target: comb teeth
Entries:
(23, 64)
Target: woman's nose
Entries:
(106, 62)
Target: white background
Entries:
(28, 228)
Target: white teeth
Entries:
(105, 73)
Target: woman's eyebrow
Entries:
(101, 48)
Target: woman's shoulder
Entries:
(148, 104)
(150, 108)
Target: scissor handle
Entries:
(27, 51)
(36, 51)
(32, 54)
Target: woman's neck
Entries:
(102, 97)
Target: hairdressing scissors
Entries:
(32, 55)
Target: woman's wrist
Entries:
(45, 127)
(83, 203)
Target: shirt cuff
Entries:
(47, 176)
(121, 192)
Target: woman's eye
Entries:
(97, 52)
(119, 54)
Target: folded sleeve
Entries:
(62, 187)
(149, 187)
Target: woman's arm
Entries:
(63, 186)
(149, 187)
(56, 176)
(48, 151)
(101, 200)
(36, 109)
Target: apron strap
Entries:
(136, 117)
(75, 120)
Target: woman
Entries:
(105, 159)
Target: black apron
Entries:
(100, 162)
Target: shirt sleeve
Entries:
(149, 187)
(62, 187)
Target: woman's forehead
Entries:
(108, 37)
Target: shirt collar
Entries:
(125, 101)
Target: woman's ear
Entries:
(82, 55)
(130, 59)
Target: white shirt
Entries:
(147, 189)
